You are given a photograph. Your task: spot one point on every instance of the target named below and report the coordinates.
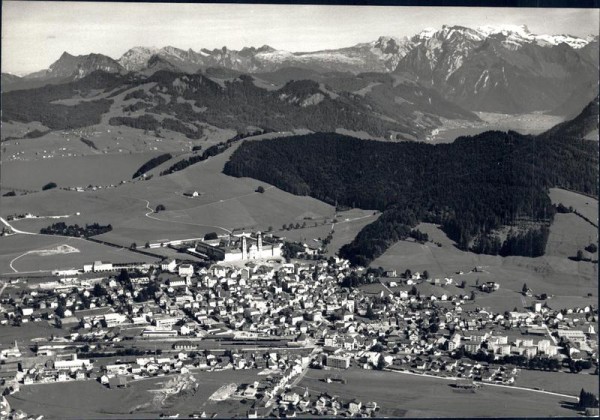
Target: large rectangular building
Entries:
(338, 362)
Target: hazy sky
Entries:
(34, 34)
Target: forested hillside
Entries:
(36, 104)
(580, 126)
(471, 187)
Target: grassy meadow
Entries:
(401, 395)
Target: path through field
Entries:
(150, 211)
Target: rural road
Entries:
(16, 258)
(352, 220)
(16, 230)
(148, 215)
(151, 211)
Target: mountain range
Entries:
(413, 81)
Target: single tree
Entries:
(210, 236)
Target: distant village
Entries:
(258, 309)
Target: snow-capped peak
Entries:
(426, 33)
(516, 35)
(488, 30)
(513, 36)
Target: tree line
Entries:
(213, 150)
(151, 164)
(471, 187)
(61, 228)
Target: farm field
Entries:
(583, 204)
(345, 230)
(24, 252)
(569, 233)
(74, 171)
(547, 274)
(225, 204)
(402, 395)
(499, 301)
(89, 399)
(26, 332)
(563, 383)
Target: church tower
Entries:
(244, 248)
(260, 247)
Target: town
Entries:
(283, 309)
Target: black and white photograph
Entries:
(260, 210)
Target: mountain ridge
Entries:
(503, 69)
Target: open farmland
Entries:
(403, 395)
(18, 129)
(585, 205)
(349, 223)
(225, 203)
(547, 274)
(76, 171)
(570, 233)
(89, 399)
(561, 382)
(24, 253)
(10, 334)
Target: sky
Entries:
(35, 34)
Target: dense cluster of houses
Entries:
(302, 305)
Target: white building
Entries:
(114, 319)
(256, 250)
(72, 362)
(168, 266)
(574, 335)
(97, 266)
(186, 270)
